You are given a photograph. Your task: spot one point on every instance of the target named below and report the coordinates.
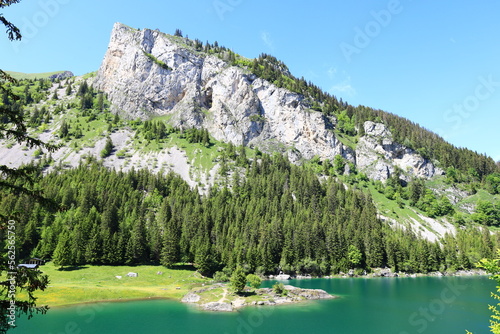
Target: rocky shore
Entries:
(229, 302)
(387, 272)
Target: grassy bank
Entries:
(98, 283)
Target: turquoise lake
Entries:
(382, 305)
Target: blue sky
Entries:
(434, 62)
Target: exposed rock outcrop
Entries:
(200, 90)
(263, 296)
(378, 155)
(191, 297)
(217, 307)
(62, 75)
(147, 73)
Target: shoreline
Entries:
(468, 273)
(387, 273)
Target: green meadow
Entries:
(99, 283)
(20, 75)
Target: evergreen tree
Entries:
(238, 280)
(108, 148)
(99, 103)
(64, 130)
(204, 259)
(170, 250)
(63, 254)
(137, 250)
(26, 282)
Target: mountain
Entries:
(336, 179)
(148, 74)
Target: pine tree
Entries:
(64, 130)
(108, 148)
(93, 251)
(178, 33)
(204, 259)
(170, 252)
(69, 90)
(63, 254)
(238, 280)
(170, 242)
(83, 89)
(137, 250)
(99, 103)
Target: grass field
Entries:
(98, 283)
(20, 76)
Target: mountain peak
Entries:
(146, 74)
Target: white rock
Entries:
(204, 91)
(377, 155)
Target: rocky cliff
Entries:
(378, 156)
(147, 73)
(200, 90)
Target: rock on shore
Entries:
(265, 296)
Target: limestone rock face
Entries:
(378, 155)
(147, 73)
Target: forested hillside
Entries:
(352, 118)
(277, 216)
(251, 209)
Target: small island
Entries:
(221, 297)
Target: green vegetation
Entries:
(32, 76)
(108, 148)
(487, 213)
(238, 280)
(19, 284)
(254, 281)
(492, 267)
(354, 256)
(277, 216)
(265, 216)
(89, 283)
(157, 61)
(279, 289)
(351, 118)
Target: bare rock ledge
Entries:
(230, 302)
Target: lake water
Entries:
(382, 305)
